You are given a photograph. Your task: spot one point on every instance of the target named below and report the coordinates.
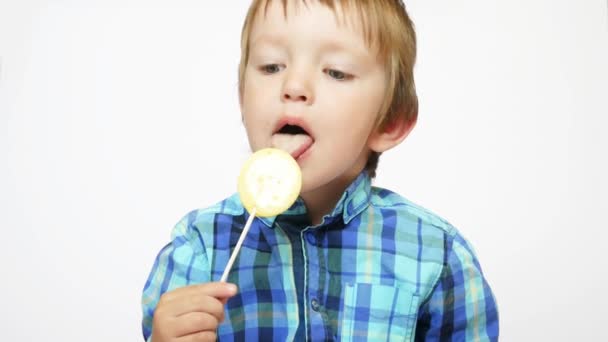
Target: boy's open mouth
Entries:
(292, 138)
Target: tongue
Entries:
(294, 144)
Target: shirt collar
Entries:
(354, 200)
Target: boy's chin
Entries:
(310, 181)
(313, 181)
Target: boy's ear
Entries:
(384, 138)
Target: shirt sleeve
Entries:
(181, 262)
(461, 306)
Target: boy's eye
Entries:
(271, 68)
(338, 75)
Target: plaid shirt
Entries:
(379, 268)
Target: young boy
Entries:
(332, 83)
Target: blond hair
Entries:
(388, 28)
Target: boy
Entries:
(332, 83)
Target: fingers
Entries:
(191, 313)
(209, 298)
(189, 325)
(203, 336)
(199, 303)
(215, 289)
(195, 322)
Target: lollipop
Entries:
(269, 183)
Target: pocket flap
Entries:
(373, 312)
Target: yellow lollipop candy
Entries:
(269, 183)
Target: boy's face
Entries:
(312, 70)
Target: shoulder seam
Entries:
(437, 278)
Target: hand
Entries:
(191, 313)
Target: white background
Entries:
(118, 117)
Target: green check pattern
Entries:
(378, 268)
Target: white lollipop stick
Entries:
(236, 250)
(268, 184)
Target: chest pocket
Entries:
(377, 313)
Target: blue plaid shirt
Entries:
(378, 268)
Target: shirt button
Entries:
(315, 304)
(311, 238)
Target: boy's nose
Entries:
(293, 96)
(294, 91)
